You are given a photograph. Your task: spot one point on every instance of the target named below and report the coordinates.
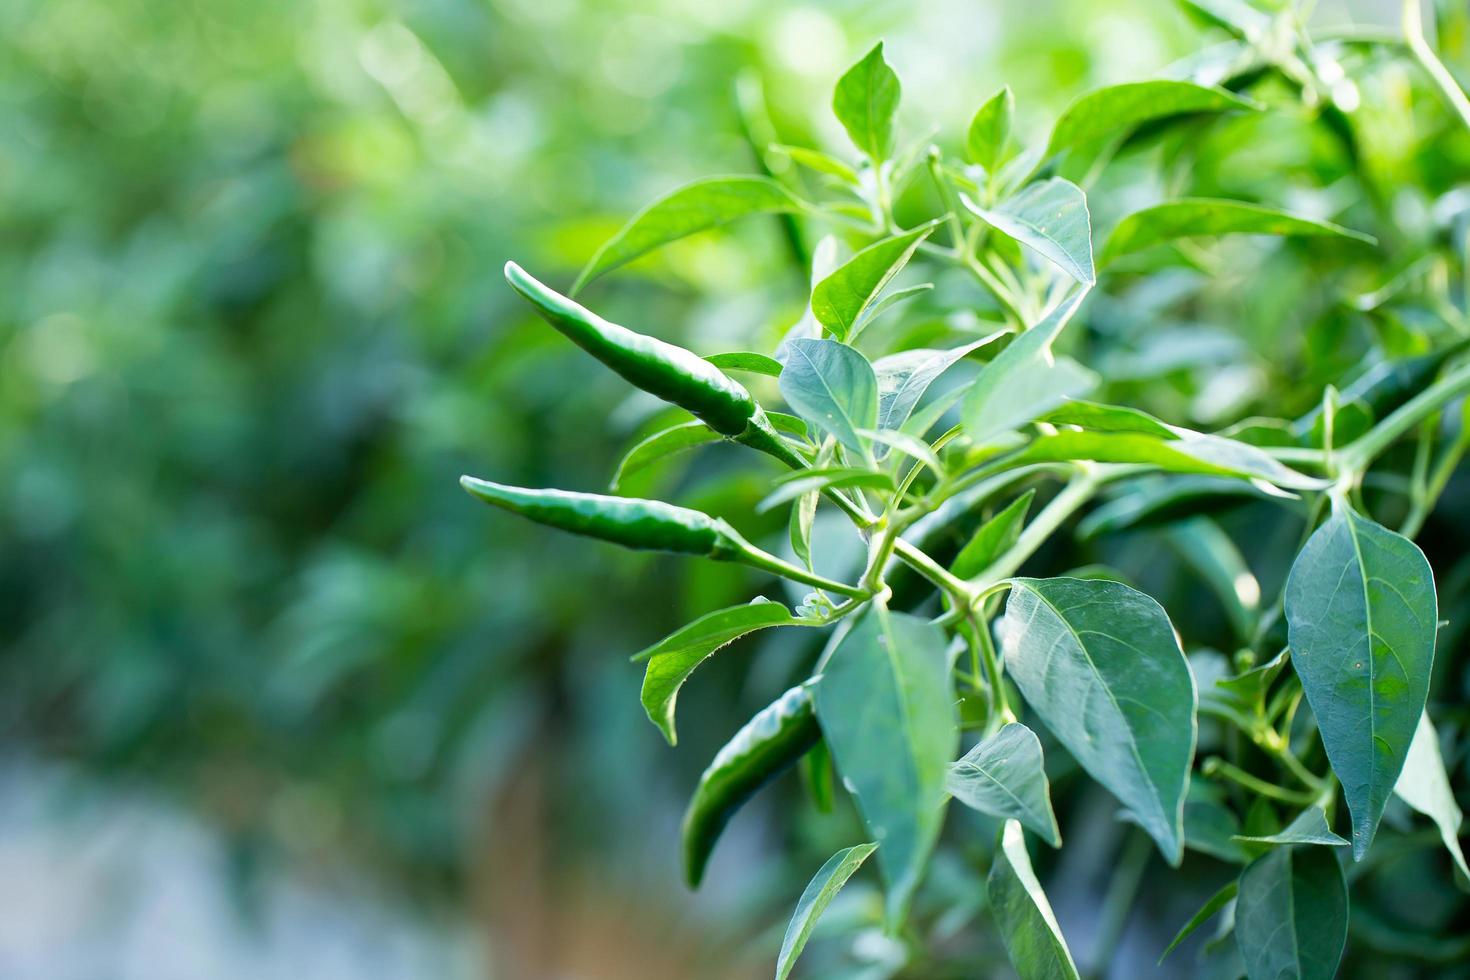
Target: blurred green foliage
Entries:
(252, 329)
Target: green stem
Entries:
(1216, 766)
(765, 560)
(1118, 902)
(1000, 708)
(919, 561)
(1357, 456)
(1443, 470)
(1414, 34)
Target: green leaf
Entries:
(888, 302)
(672, 659)
(803, 517)
(1291, 914)
(1216, 559)
(904, 377)
(692, 208)
(664, 443)
(1100, 664)
(1310, 827)
(1161, 499)
(822, 163)
(1242, 699)
(1028, 927)
(1360, 613)
(824, 886)
(1025, 380)
(1425, 786)
(1217, 902)
(1108, 418)
(906, 444)
(865, 102)
(1210, 825)
(1051, 218)
(797, 483)
(1236, 16)
(840, 299)
(990, 130)
(1201, 216)
(1194, 453)
(993, 537)
(1004, 776)
(1117, 110)
(832, 386)
(788, 423)
(744, 360)
(885, 702)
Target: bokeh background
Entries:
(278, 699)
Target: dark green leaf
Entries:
(824, 886)
(1198, 216)
(1291, 914)
(885, 702)
(1025, 380)
(993, 537)
(1051, 218)
(840, 299)
(1113, 112)
(832, 386)
(1361, 611)
(1004, 776)
(1100, 664)
(672, 659)
(694, 207)
(990, 130)
(865, 102)
(1217, 902)
(1028, 927)
(1309, 827)
(675, 439)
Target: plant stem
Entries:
(911, 555)
(1118, 903)
(765, 560)
(1357, 456)
(1216, 766)
(1414, 34)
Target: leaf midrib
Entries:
(1132, 742)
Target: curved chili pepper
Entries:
(672, 373)
(644, 524)
(770, 742)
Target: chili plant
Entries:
(961, 453)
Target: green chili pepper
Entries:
(672, 373)
(770, 742)
(644, 524)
